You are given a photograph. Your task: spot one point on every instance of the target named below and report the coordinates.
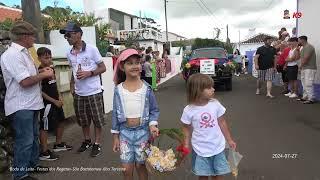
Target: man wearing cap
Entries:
(23, 98)
(86, 63)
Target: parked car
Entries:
(212, 61)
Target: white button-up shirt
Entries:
(17, 65)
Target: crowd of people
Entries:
(153, 66)
(294, 58)
(34, 106)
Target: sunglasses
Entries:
(68, 34)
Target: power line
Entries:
(206, 10)
(209, 10)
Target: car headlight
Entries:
(188, 65)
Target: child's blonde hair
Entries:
(195, 86)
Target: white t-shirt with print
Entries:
(207, 139)
(89, 58)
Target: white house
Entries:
(173, 36)
(252, 43)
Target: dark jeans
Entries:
(26, 142)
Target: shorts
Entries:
(210, 166)
(132, 144)
(292, 72)
(266, 75)
(89, 108)
(51, 121)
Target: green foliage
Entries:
(60, 16)
(6, 24)
(173, 133)
(102, 32)
(204, 43)
(102, 45)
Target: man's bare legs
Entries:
(259, 82)
(269, 88)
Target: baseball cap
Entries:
(125, 54)
(71, 27)
(23, 28)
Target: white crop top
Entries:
(291, 53)
(133, 102)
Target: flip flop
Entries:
(270, 96)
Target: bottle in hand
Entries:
(79, 69)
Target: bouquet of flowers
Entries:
(161, 162)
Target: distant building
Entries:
(252, 43)
(173, 36)
(9, 13)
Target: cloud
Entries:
(190, 8)
(191, 19)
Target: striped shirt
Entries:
(17, 65)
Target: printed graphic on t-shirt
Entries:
(86, 62)
(52, 81)
(206, 120)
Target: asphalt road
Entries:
(261, 127)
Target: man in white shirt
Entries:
(87, 65)
(23, 98)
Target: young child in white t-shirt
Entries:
(209, 129)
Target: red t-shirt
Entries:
(283, 56)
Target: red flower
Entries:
(185, 151)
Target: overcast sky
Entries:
(198, 18)
(192, 18)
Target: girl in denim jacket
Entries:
(135, 114)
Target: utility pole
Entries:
(140, 23)
(32, 14)
(239, 40)
(165, 12)
(228, 40)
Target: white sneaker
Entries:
(293, 95)
(288, 94)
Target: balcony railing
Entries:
(139, 34)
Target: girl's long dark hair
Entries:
(120, 74)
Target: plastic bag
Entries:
(234, 159)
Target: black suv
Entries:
(202, 61)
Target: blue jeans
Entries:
(26, 142)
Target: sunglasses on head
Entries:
(68, 34)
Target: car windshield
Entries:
(208, 53)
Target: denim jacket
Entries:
(150, 112)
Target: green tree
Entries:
(6, 24)
(60, 16)
(204, 43)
